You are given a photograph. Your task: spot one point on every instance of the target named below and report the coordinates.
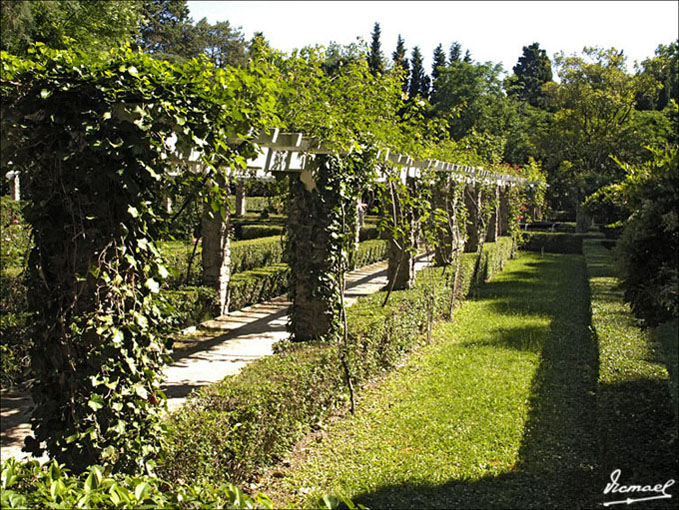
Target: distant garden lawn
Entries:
(497, 412)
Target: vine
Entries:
(91, 137)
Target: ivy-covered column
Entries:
(313, 250)
(240, 199)
(444, 221)
(494, 222)
(216, 253)
(402, 243)
(504, 212)
(472, 200)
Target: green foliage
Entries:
(31, 485)
(89, 135)
(649, 248)
(228, 430)
(375, 58)
(531, 72)
(419, 84)
(607, 205)
(87, 25)
(257, 285)
(245, 232)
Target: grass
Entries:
(496, 412)
(637, 426)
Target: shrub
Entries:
(551, 242)
(31, 485)
(15, 339)
(648, 251)
(230, 429)
(370, 252)
(257, 285)
(243, 232)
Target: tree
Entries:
(221, 43)
(438, 64)
(419, 81)
(467, 57)
(86, 25)
(375, 57)
(471, 97)
(664, 69)
(455, 52)
(401, 62)
(594, 104)
(532, 71)
(168, 30)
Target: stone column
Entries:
(314, 290)
(240, 199)
(504, 211)
(14, 185)
(401, 265)
(444, 243)
(216, 255)
(472, 201)
(494, 222)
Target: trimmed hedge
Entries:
(228, 430)
(636, 423)
(551, 242)
(243, 232)
(257, 285)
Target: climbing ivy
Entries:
(91, 136)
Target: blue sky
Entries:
(492, 31)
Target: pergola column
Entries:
(14, 185)
(216, 254)
(504, 211)
(401, 265)
(494, 223)
(311, 253)
(240, 199)
(444, 242)
(472, 201)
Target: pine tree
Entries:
(533, 70)
(438, 64)
(401, 62)
(419, 81)
(467, 57)
(455, 54)
(375, 58)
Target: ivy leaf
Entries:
(152, 285)
(96, 402)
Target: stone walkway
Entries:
(233, 341)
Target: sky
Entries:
(493, 31)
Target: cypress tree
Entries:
(438, 64)
(419, 81)
(401, 62)
(455, 54)
(375, 58)
(533, 70)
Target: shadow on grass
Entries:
(557, 457)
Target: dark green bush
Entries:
(229, 430)
(243, 232)
(370, 252)
(187, 306)
(27, 484)
(369, 232)
(257, 285)
(648, 251)
(551, 242)
(15, 339)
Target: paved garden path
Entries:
(233, 341)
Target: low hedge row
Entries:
(229, 430)
(243, 232)
(551, 242)
(245, 255)
(636, 423)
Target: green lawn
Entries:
(496, 412)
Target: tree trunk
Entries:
(216, 255)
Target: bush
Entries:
(257, 285)
(230, 429)
(648, 251)
(28, 484)
(551, 242)
(15, 340)
(370, 252)
(243, 232)
(369, 232)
